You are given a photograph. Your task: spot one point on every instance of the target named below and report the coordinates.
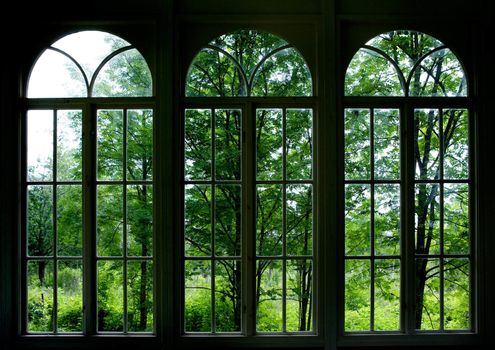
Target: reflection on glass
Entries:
(197, 289)
(55, 75)
(139, 144)
(110, 143)
(299, 144)
(269, 296)
(299, 296)
(140, 220)
(126, 74)
(70, 296)
(39, 145)
(428, 294)
(40, 286)
(357, 144)
(427, 147)
(357, 220)
(387, 295)
(69, 145)
(439, 74)
(197, 220)
(140, 296)
(283, 74)
(269, 220)
(109, 220)
(40, 220)
(387, 219)
(357, 295)
(69, 220)
(427, 219)
(269, 144)
(387, 144)
(456, 229)
(197, 144)
(228, 295)
(456, 144)
(227, 144)
(370, 74)
(299, 216)
(110, 296)
(228, 220)
(457, 294)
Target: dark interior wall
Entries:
(30, 25)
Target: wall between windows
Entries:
(165, 32)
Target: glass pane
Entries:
(269, 144)
(125, 75)
(269, 296)
(456, 230)
(40, 220)
(387, 144)
(140, 296)
(387, 219)
(55, 75)
(299, 295)
(439, 74)
(90, 48)
(109, 220)
(357, 220)
(69, 220)
(110, 143)
(427, 143)
(228, 295)
(140, 220)
(357, 295)
(456, 144)
(228, 144)
(299, 143)
(197, 289)
(69, 145)
(370, 74)
(427, 219)
(39, 145)
(110, 296)
(457, 294)
(228, 220)
(197, 144)
(213, 73)
(283, 74)
(269, 220)
(197, 220)
(40, 286)
(299, 219)
(427, 294)
(139, 144)
(387, 295)
(357, 144)
(70, 296)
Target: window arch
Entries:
(405, 63)
(248, 188)
(412, 152)
(90, 64)
(248, 63)
(87, 247)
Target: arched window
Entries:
(408, 188)
(248, 188)
(88, 262)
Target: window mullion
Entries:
(89, 219)
(249, 221)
